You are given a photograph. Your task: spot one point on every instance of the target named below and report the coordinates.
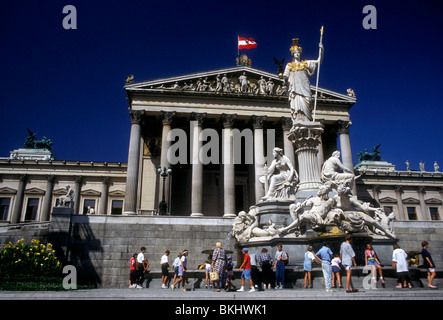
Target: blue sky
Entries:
(67, 85)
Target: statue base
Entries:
(276, 210)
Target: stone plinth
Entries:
(59, 231)
(276, 210)
(31, 154)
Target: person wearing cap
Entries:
(181, 271)
(246, 274)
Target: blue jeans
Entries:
(280, 273)
(327, 274)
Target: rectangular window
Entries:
(117, 207)
(31, 209)
(388, 209)
(434, 213)
(89, 206)
(412, 214)
(4, 208)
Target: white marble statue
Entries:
(67, 200)
(330, 172)
(357, 216)
(298, 73)
(281, 177)
(244, 223)
(316, 216)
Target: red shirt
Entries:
(132, 264)
(247, 261)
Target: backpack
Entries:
(287, 260)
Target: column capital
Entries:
(376, 188)
(286, 123)
(24, 178)
(343, 126)
(78, 179)
(258, 121)
(421, 189)
(136, 116)
(106, 180)
(199, 117)
(167, 116)
(50, 178)
(228, 120)
(398, 189)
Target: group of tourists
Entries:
(219, 270)
(345, 259)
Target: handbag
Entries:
(213, 275)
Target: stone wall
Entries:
(412, 233)
(101, 246)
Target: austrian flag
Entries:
(246, 43)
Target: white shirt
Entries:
(177, 262)
(399, 256)
(140, 257)
(165, 259)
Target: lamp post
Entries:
(163, 205)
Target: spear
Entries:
(318, 73)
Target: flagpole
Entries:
(238, 50)
(318, 73)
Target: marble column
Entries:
(47, 201)
(320, 155)
(18, 207)
(259, 158)
(167, 118)
(228, 167)
(133, 163)
(78, 188)
(103, 205)
(306, 137)
(345, 148)
(375, 193)
(401, 215)
(423, 215)
(197, 166)
(288, 147)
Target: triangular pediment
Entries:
(7, 190)
(90, 192)
(228, 82)
(433, 201)
(59, 192)
(35, 191)
(117, 193)
(388, 200)
(411, 201)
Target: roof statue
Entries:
(370, 156)
(31, 143)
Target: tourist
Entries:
(165, 267)
(176, 265)
(281, 259)
(246, 274)
(324, 255)
(208, 270)
(372, 260)
(347, 256)
(307, 266)
(255, 273)
(400, 264)
(142, 267)
(265, 262)
(133, 271)
(219, 259)
(181, 271)
(428, 263)
(230, 274)
(335, 267)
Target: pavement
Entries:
(155, 293)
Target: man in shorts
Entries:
(246, 274)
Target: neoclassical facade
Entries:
(232, 116)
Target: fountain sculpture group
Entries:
(315, 203)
